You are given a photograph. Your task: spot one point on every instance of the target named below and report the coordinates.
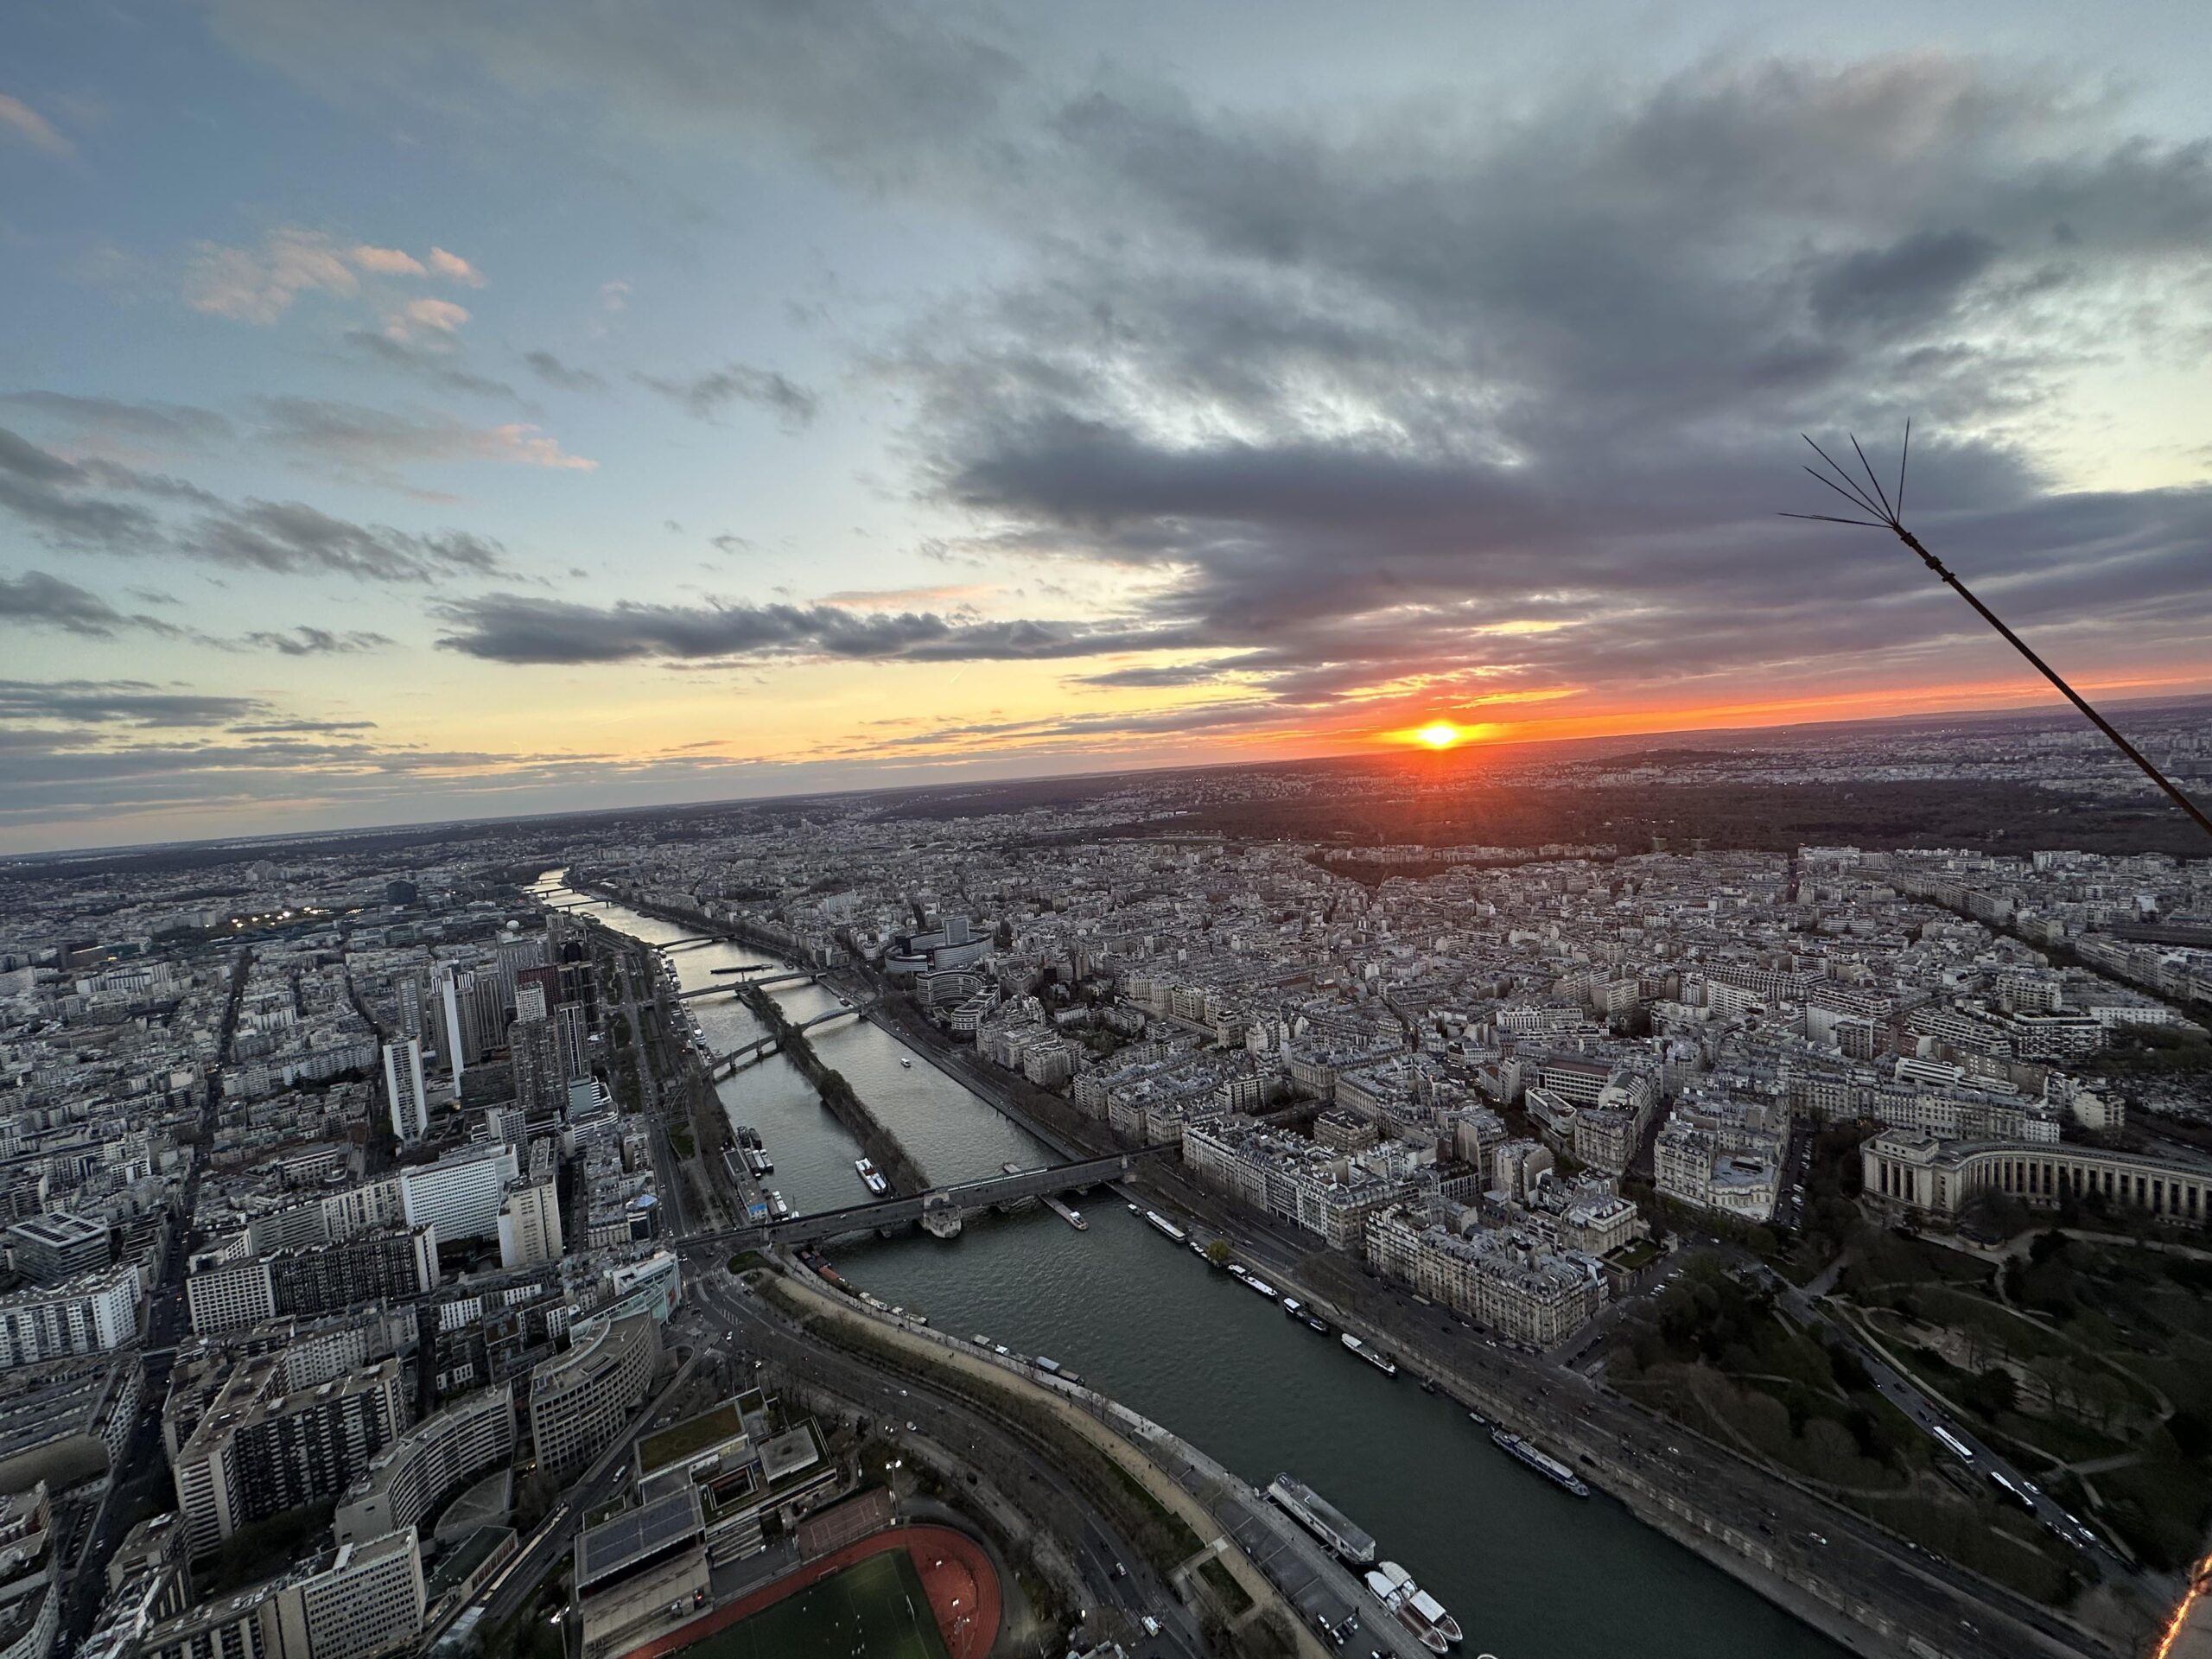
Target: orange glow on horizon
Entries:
(1883, 704)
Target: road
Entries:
(1113, 1570)
(1906, 1394)
(1571, 1415)
(1114, 1574)
(143, 1472)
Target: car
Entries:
(910, 1427)
(1151, 1624)
(1120, 1571)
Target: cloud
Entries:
(729, 543)
(552, 371)
(431, 367)
(38, 600)
(386, 262)
(259, 284)
(305, 641)
(374, 440)
(33, 129)
(418, 317)
(520, 628)
(44, 491)
(49, 493)
(614, 296)
(292, 728)
(874, 91)
(179, 426)
(705, 395)
(454, 267)
(289, 538)
(1453, 410)
(122, 702)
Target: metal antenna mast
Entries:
(1882, 514)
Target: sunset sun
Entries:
(1441, 734)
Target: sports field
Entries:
(875, 1608)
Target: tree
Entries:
(1993, 1391)
(1217, 1252)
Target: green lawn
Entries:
(875, 1608)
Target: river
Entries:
(1531, 1573)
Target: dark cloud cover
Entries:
(38, 599)
(124, 702)
(521, 628)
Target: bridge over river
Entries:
(722, 1066)
(941, 1207)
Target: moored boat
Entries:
(1375, 1357)
(1163, 1224)
(1067, 1213)
(1416, 1609)
(1323, 1519)
(1542, 1462)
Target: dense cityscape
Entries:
(416, 1245)
(866, 831)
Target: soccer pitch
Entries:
(875, 1608)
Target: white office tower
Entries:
(402, 1087)
(460, 1194)
(449, 1005)
(529, 1224)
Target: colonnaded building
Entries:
(1910, 1170)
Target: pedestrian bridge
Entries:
(737, 1059)
(888, 1215)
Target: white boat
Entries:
(1163, 1224)
(905, 1062)
(1417, 1610)
(1375, 1357)
(1070, 1215)
(871, 1177)
(1253, 1282)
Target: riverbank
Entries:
(1857, 1587)
(1166, 1521)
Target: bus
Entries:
(1957, 1448)
(2012, 1489)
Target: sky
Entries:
(411, 411)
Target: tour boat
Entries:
(1375, 1357)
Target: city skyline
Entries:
(419, 418)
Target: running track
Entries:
(963, 1590)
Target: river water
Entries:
(1531, 1573)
